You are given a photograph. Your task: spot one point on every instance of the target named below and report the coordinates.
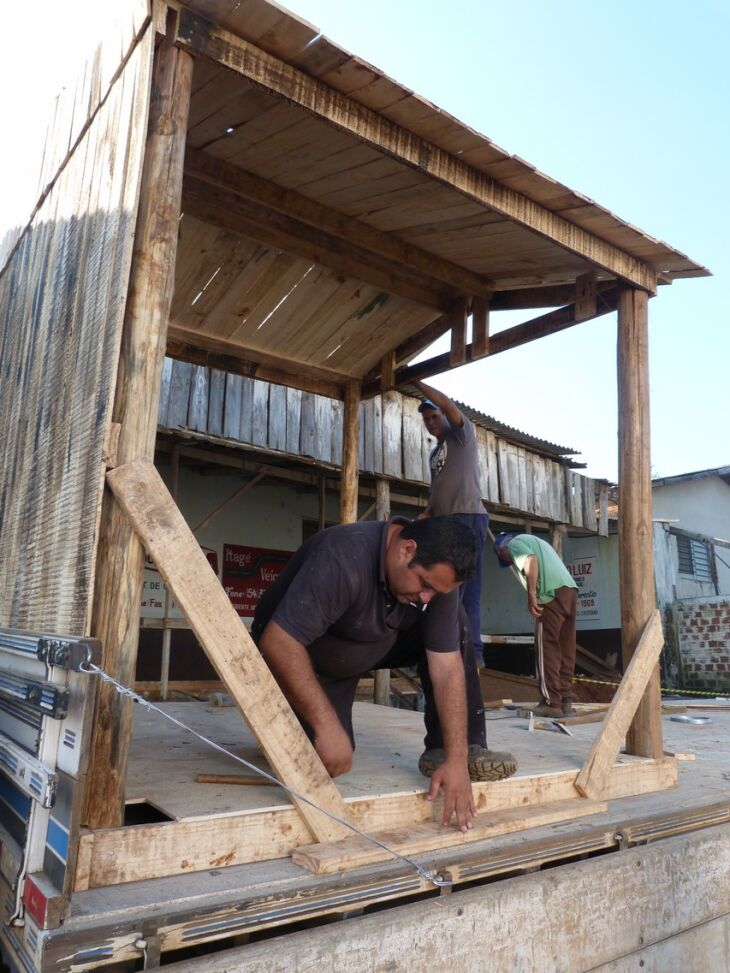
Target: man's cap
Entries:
(427, 404)
(499, 540)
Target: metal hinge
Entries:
(27, 773)
(66, 653)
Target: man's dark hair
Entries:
(444, 540)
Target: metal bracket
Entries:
(66, 653)
(27, 773)
(50, 700)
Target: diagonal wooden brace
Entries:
(170, 543)
(593, 778)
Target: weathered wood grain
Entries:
(118, 582)
(151, 510)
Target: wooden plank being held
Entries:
(152, 512)
(356, 851)
(592, 780)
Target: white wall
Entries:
(702, 506)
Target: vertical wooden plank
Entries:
(504, 484)
(361, 436)
(164, 392)
(541, 491)
(293, 419)
(245, 432)
(479, 327)
(377, 434)
(387, 372)
(636, 555)
(368, 420)
(381, 689)
(120, 557)
(590, 521)
(458, 319)
(350, 438)
(575, 499)
(323, 418)
(561, 513)
(277, 417)
(308, 435)
(483, 453)
(179, 400)
(232, 407)
(522, 478)
(260, 413)
(493, 470)
(198, 411)
(216, 398)
(337, 420)
(530, 482)
(603, 509)
(392, 422)
(412, 425)
(551, 490)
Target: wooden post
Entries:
(381, 690)
(636, 553)
(120, 557)
(166, 630)
(350, 438)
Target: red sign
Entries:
(248, 572)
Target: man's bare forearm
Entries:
(449, 689)
(447, 405)
(289, 661)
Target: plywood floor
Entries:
(165, 761)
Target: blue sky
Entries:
(627, 102)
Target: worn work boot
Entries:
(545, 709)
(483, 764)
(568, 707)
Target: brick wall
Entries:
(703, 630)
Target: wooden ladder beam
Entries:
(178, 557)
(593, 777)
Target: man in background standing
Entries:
(455, 488)
(552, 599)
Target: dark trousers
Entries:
(471, 590)
(409, 650)
(555, 646)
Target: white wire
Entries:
(94, 670)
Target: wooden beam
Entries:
(220, 207)
(549, 295)
(591, 781)
(120, 557)
(387, 372)
(356, 852)
(457, 352)
(347, 115)
(177, 555)
(521, 334)
(202, 349)
(479, 327)
(350, 440)
(381, 688)
(155, 850)
(585, 296)
(289, 203)
(635, 527)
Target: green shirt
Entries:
(551, 572)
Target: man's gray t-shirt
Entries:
(333, 598)
(455, 473)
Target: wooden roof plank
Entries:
(342, 112)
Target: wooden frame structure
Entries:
(305, 220)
